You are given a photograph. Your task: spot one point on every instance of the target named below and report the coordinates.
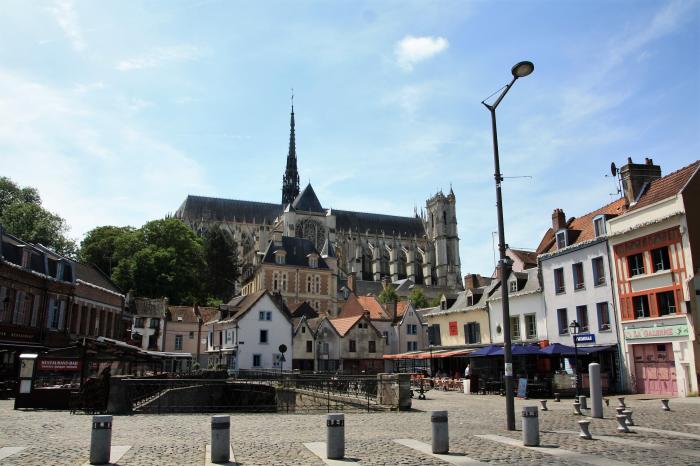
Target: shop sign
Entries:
(638, 333)
(59, 364)
(582, 338)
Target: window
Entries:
(472, 333)
(563, 321)
(309, 283)
(309, 346)
(154, 323)
(577, 270)
(353, 346)
(635, 264)
(191, 335)
(470, 300)
(265, 315)
(513, 286)
(531, 326)
(562, 239)
(599, 226)
(275, 281)
(263, 336)
(284, 281)
(582, 318)
(385, 335)
(138, 322)
(641, 306)
(559, 286)
(229, 336)
(603, 316)
(325, 347)
(372, 346)
(666, 303)
(434, 337)
(317, 284)
(515, 327)
(57, 311)
(303, 330)
(313, 262)
(598, 271)
(279, 259)
(257, 360)
(411, 346)
(660, 259)
(178, 342)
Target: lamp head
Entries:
(522, 69)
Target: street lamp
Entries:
(575, 327)
(520, 70)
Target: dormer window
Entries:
(470, 300)
(280, 258)
(599, 225)
(513, 286)
(313, 261)
(562, 239)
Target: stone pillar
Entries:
(411, 264)
(596, 390)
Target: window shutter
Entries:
(466, 333)
(477, 332)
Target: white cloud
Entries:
(161, 55)
(411, 50)
(67, 18)
(409, 98)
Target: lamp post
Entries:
(520, 70)
(575, 326)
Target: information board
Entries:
(522, 387)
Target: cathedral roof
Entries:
(212, 209)
(378, 223)
(307, 201)
(327, 250)
(297, 251)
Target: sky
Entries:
(117, 110)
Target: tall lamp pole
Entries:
(520, 70)
(575, 326)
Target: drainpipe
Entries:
(623, 365)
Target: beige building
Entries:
(185, 331)
(465, 322)
(361, 344)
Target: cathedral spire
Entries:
(290, 180)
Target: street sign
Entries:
(282, 348)
(584, 338)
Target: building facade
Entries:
(149, 322)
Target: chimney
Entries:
(472, 281)
(558, 220)
(351, 282)
(635, 177)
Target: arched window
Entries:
(275, 281)
(308, 283)
(317, 280)
(284, 281)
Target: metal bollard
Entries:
(531, 426)
(621, 399)
(582, 400)
(622, 423)
(101, 439)
(665, 406)
(335, 436)
(544, 405)
(557, 397)
(585, 433)
(441, 436)
(628, 413)
(220, 439)
(577, 408)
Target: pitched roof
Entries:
(240, 305)
(375, 308)
(200, 208)
(401, 308)
(307, 201)
(344, 324)
(327, 250)
(581, 228)
(208, 313)
(302, 309)
(297, 250)
(666, 186)
(183, 314)
(378, 223)
(529, 258)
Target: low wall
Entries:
(394, 390)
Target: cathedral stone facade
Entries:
(421, 248)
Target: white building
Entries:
(526, 306)
(249, 333)
(148, 326)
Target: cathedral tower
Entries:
(441, 226)
(290, 180)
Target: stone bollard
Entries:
(607, 402)
(544, 405)
(628, 413)
(557, 397)
(441, 435)
(664, 405)
(531, 426)
(577, 408)
(621, 399)
(335, 436)
(220, 439)
(596, 390)
(585, 433)
(583, 401)
(620, 410)
(101, 439)
(622, 424)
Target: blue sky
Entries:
(117, 110)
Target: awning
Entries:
(447, 354)
(429, 354)
(596, 349)
(559, 349)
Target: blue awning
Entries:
(561, 350)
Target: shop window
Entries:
(563, 321)
(577, 270)
(559, 286)
(531, 326)
(635, 264)
(660, 259)
(582, 318)
(603, 316)
(641, 306)
(515, 328)
(666, 303)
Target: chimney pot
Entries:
(558, 220)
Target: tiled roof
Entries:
(208, 313)
(302, 309)
(200, 208)
(401, 308)
(666, 186)
(239, 305)
(581, 228)
(529, 258)
(297, 250)
(378, 223)
(149, 307)
(93, 275)
(307, 201)
(375, 308)
(344, 324)
(183, 314)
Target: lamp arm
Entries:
(493, 106)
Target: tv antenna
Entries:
(615, 173)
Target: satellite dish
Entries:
(613, 169)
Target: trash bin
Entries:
(467, 386)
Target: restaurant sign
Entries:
(638, 333)
(59, 364)
(583, 338)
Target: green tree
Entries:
(164, 258)
(418, 299)
(435, 301)
(388, 295)
(22, 215)
(100, 244)
(221, 257)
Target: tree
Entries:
(164, 258)
(221, 256)
(418, 299)
(388, 295)
(22, 215)
(100, 244)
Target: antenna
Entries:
(615, 172)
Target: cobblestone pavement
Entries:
(59, 438)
